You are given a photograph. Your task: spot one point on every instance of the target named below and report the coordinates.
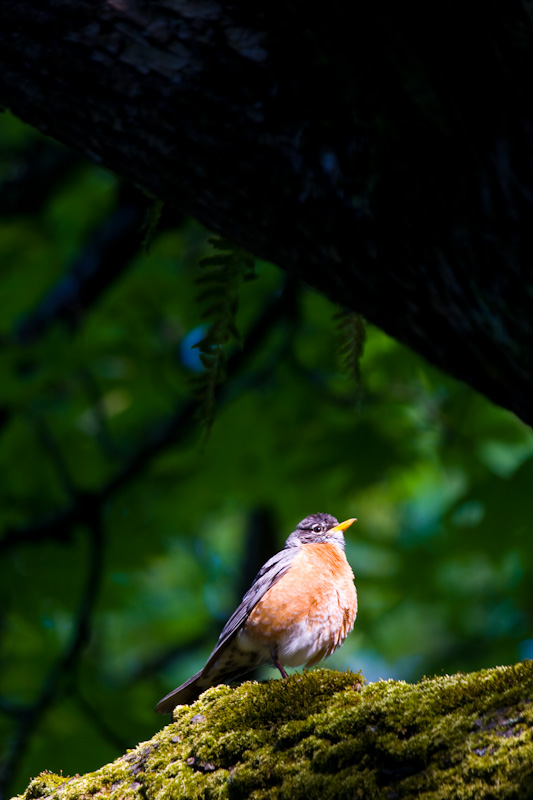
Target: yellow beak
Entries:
(343, 525)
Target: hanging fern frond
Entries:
(151, 221)
(222, 275)
(351, 333)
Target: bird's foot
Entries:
(278, 665)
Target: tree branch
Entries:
(391, 169)
(59, 526)
(108, 253)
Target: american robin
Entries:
(299, 609)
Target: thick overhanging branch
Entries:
(391, 171)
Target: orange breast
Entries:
(315, 601)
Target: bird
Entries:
(299, 609)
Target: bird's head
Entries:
(318, 528)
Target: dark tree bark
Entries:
(387, 160)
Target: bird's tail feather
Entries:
(191, 690)
(187, 693)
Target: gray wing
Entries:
(268, 575)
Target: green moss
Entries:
(43, 786)
(324, 734)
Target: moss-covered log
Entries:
(326, 735)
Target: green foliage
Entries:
(151, 221)
(220, 282)
(352, 335)
(102, 464)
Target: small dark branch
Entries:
(5, 413)
(108, 253)
(260, 544)
(62, 671)
(59, 527)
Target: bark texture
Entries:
(387, 158)
(323, 735)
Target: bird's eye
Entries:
(317, 528)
